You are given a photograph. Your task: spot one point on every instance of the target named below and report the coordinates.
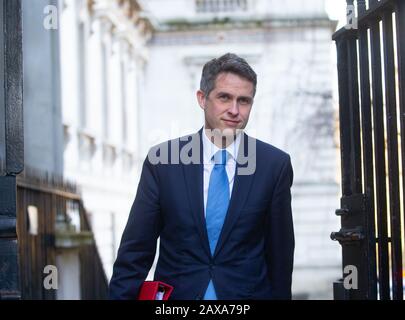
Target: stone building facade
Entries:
(103, 53)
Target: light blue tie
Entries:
(217, 206)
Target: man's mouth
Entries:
(231, 122)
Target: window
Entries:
(213, 6)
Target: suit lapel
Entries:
(240, 191)
(193, 174)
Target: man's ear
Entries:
(201, 99)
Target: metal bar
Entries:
(48, 250)
(392, 149)
(50, 190)
(354, 255)
(400, 30)
(367, 17)
(2, 107)
(374, 4)
(361, 7)
(22, 229)
(375, 10)
(344, 116)
(348, 105)
(367, 138)
(13, 86)
(379, 154)
(354, 123)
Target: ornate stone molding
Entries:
(131, 8)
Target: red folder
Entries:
(155, 290)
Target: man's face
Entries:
(229, 104)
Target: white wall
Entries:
(68, 266)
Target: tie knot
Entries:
(220, 157)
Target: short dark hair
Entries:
(227, 63)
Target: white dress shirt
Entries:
(209, 150)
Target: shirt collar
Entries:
(209, 149)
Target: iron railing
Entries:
(371, 75)
(56, 202)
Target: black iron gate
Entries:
(371, 75)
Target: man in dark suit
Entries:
(219, 200)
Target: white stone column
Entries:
(142, 111)
(94, 78)
(115, 97)
(70, 89)
(130, 107)
(132, 92)
(95, 82)
(69, 62)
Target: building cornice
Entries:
(248, 32)
(243, 22)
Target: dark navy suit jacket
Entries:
(254, 254)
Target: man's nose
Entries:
(234, 109)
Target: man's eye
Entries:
(244, 101)
(224, 98)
